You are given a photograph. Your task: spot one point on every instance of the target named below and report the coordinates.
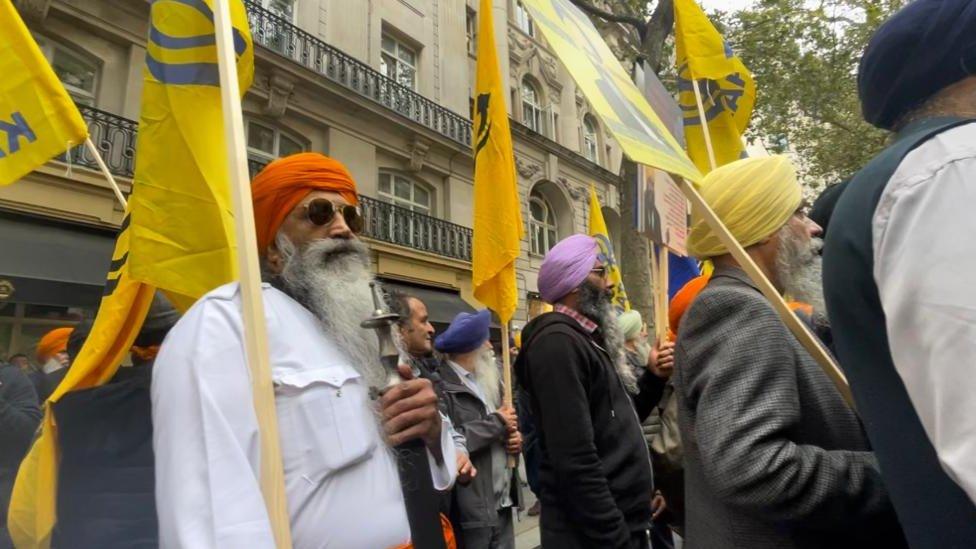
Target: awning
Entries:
(54, 264)
(442, 305)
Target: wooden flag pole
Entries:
(704, 121)
(799, 329)
(108, 175)
(662, 296)
(252, 305)
(507, 397)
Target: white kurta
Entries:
(341, 480)
(924, 231)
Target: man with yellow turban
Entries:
(341, 478)
(774, 457)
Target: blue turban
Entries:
(925, 47)
(467, 332)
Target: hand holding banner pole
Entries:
(252, 305)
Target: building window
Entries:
(266, 143)
(522, 19)
(284, 9)
(542, 225)
(399, 62)
(78, 74)
(403, 192)
(471, 28)
(590, 146)
(531, 108)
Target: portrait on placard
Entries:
(662, 210)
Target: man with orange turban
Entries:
(341, 478)
(52, 349)
(769, 444)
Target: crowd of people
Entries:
(724, 434)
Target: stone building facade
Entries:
(383, 85)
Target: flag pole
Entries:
(704, 121)
(799, 329)
(507, 379)
(662, 296)
(108, 175)
(252, 306)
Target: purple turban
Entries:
(566, 266)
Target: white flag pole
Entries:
(108, 175)
(252, 306)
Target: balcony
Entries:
(113, 136)
(280, 36)
(396, 225)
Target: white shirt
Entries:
(341, 479)
(924, 232)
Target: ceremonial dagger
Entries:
(421, 500)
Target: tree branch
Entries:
(658, 29)
(594, 11)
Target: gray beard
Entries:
(331, 277)
(799, 269)
(486, 373)
(596, 305)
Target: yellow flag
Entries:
(38, 120)
(497, 215)
(726, 86)
(598, 230)
(125, 302)
(182, 219)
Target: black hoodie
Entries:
(595, 470)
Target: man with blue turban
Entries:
(482, 509)
(899, 264)
(773, 456)
(595, 475)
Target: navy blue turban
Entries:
(925, 47)
(467, 332)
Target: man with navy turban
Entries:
(898, 266)
(595, 475)
(482, 509)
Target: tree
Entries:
(804, 57)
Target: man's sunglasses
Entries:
(322, 212)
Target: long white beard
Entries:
(597, 307)
(331, 278)
(799, 269)
(486, 373)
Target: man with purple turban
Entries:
(595, 471)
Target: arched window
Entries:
(78, 73)
(405, 193)
(523, 20)
(531, 106)
(542, 225)
(591, 148)
(266, 143)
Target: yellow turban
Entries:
(753, 197)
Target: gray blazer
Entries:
(774, 458)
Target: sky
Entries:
(724, 5)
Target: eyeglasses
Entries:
(601, 272)
(322, 212)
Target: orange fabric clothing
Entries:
(282, 184)
(800, 307)
(52, 343)
(449, 540)
(682, 300)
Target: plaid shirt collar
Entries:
(586, 323)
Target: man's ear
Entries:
(273, 258)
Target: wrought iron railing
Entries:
(284, 38)
(113, 136)
(389, 223)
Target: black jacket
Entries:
(595, 471)
(19, 417)
(474, 505)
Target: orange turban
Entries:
(682, 300)
(282, 184)
(52, 343)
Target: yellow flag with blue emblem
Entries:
(497, 214)
(182, 221)
(598, 230)
(38, 120)
(728, 91)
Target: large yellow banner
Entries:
(609, 89)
